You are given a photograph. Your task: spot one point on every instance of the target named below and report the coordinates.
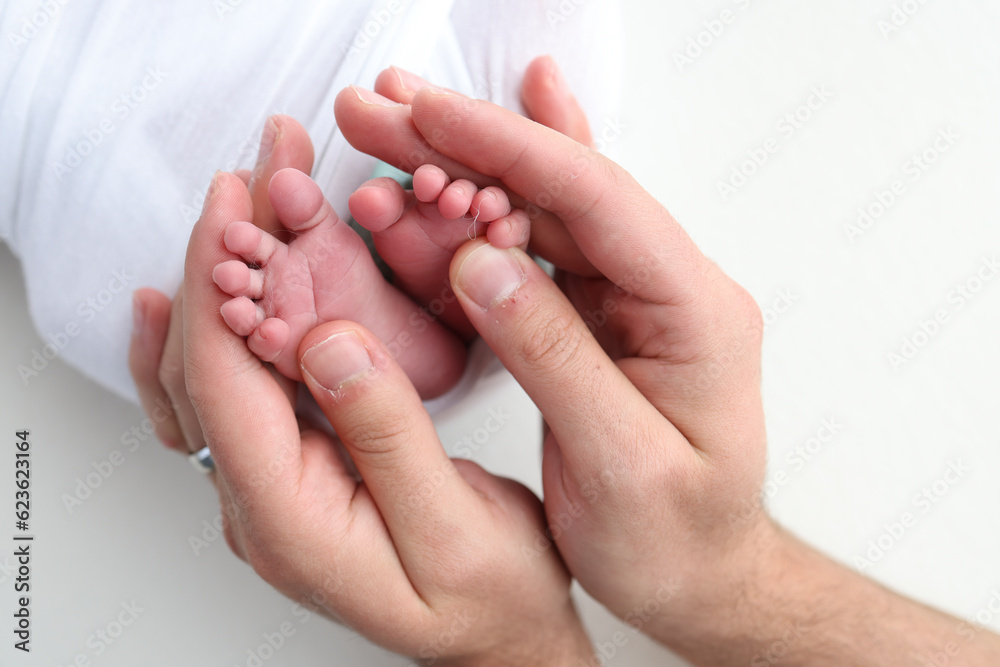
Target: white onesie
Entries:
(114, 115)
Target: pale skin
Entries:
(324, 272)
(654, 437)
(400, 516)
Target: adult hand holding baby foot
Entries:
(648, 378)
(230, 390)
(422, 554)
(156, 356)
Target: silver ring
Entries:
(202, 461)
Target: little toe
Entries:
(490, 204)
(251, 243)
(242, 315)
(510, 231)
(456, 199)
(429, 181)
(298, 201)
(237, 279)
(378, 204)
(269, 339)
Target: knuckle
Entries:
(383, 435)
(549, 342)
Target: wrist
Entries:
(725, 608)
(561, 642)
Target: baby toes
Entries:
(242, 315)
(269, 339)
(378, 204)
(456, 199)
(429, 182)
(237, 279)
(250, 242)
(489, 204)
(512, 230)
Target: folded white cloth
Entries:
(115, 114)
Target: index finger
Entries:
(246, 417)
(616, 224)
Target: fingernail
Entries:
(490, 276)
(138, 316)
(267, 140)
(437, 91)
(211, 191)
(401, 77)
(371, 97)
(337, 360)
(556, 78)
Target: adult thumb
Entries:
(542, 340)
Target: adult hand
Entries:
(156, 355)
(649, 381)
(421, 554)
(378, 123)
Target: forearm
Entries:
(801, 608)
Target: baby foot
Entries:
(418, 231)
(283, 290)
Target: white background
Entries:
(685, 128)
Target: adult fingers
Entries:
(171, 376)
(380, 127)
(400, 85)
(379, 417)
(544, 91)
(151, 322)
(589, 404)
(622, 230)
(284, 143)
(242, 410)
(549, 101)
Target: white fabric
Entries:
(115, 114)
